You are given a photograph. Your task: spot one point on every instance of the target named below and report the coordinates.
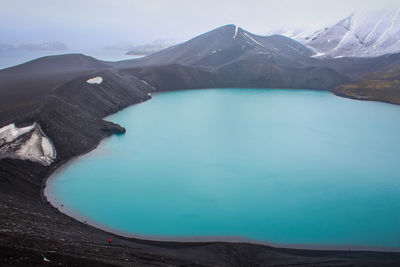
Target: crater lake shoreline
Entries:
(46, 231)
(52, 198)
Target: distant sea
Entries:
(12, 58)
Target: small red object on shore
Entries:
(109, 241)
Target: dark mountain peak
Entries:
(225, 45)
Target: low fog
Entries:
(99, 23)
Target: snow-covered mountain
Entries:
(155, 46)
(362, 34)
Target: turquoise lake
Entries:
(283, 166)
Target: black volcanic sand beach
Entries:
(53, 92)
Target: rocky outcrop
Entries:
(381, 86)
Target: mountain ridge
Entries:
(383, 85)
(361, 34)
(222, 45)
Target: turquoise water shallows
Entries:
(283, 166)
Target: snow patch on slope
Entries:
(27, 143)
(95, 80)
(10, 132)
(152, 87)
(236, 31)
(252, 39)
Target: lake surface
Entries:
(283, 166)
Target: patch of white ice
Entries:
(37, 147)
(318, 54)
(95, 80)
(31, 149)
(49, 153)
(152, 87)
(236, 31)
(252, 39)
(10, 132)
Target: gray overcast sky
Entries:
(98, 23)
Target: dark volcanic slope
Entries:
(23, 88)
(232, 57)
(244, 74)
(356, 68)
(68, 109)
(380, 86)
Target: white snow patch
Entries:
(236, 31)
(95, 80)
(49, 153)
(31, 149)
(37, 147)
(252, 39)
(318, 54)
(152, 87)
(10, 132)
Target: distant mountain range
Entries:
(362, 34)
(155, 46)
(34, 46)
(143, 49)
